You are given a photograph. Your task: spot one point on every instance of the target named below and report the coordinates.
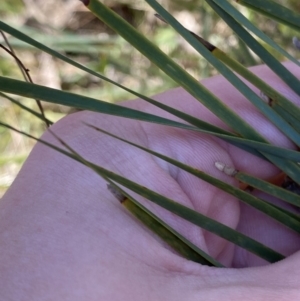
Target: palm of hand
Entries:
(84, 244)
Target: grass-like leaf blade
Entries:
(247, 198)
(269, 188)
(178, 74)
(34, 113)
(288, 167)
(192, 120)
(273, 115)
(231, 10)
(275, 11)
(170, 236)
(257, 48)
(186, 213)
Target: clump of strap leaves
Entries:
(276, 107)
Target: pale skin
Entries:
(63, 235)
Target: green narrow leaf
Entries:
(83, 102)
(272, 111)
(272, 115)
(23, 37)
(74, 100)
(233, 12)
(68, 42)
(287, 166)
(280, 104)
(291, 118)
(172, 69)
(243, 53)
(257, 48)
(269, 188)
(259, 204)
(274, 11)
(175, 240)
(192, 120)
(173, 111)
(184, 79)
(87, 103)
(285, 211)
(290, 168)
(197, 218)
(186, 213)
(37, 114)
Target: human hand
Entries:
(63, 236)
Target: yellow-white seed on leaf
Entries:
(228, 170)
(265, 97)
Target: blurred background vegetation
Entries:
(68, 27)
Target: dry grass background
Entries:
(67, 26)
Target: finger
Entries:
(237, 158)
(181, 100)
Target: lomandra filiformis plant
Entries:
(276, 107)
